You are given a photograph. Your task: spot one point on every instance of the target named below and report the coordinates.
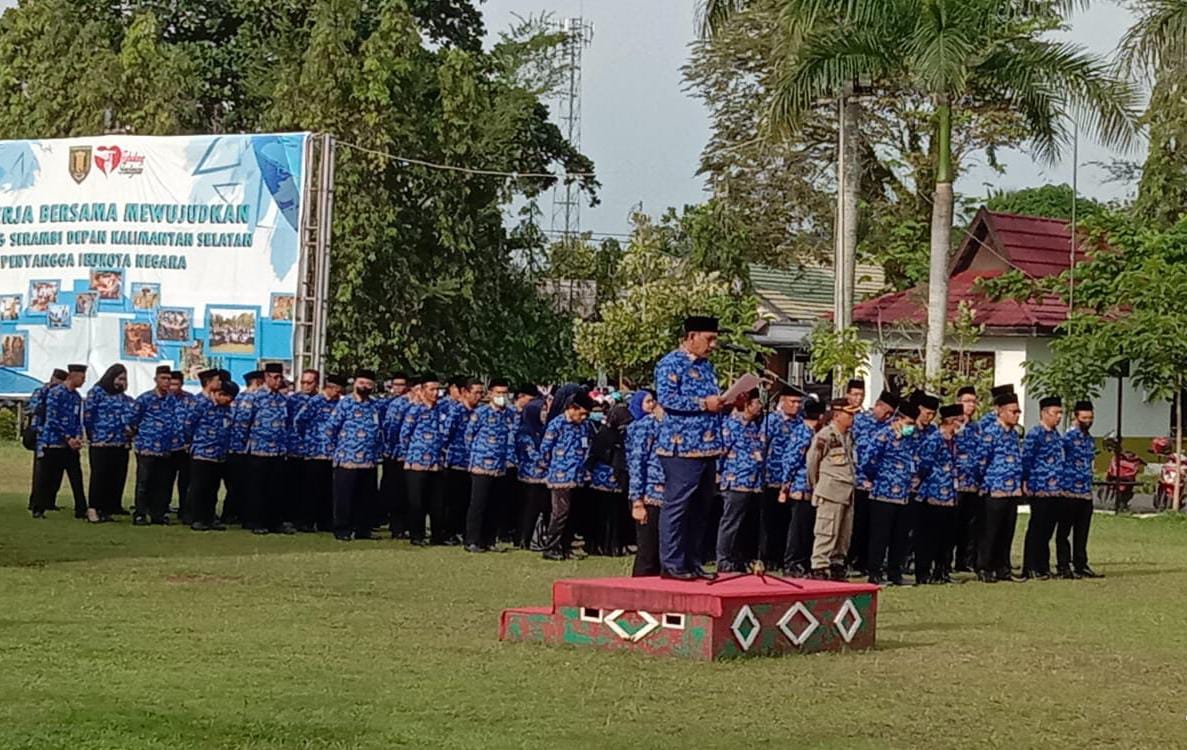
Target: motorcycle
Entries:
(1173, 465)
(1120, 478)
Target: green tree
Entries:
(1051, 201)
(840, 354)
(657, 290)
(424, 272)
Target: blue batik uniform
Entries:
(987, 420)
(890, 466)
(795, 463)
(644, 469)
(528, 465)
(601, 478)
(512, 437)
(241, 420)
(968, 458)
(865, 429)
(313, 424)
(296, 438)
(744, 466)
(356, 432)
(393, 420)
(105, 417)
(682, 382)
(35, 401)
(920, 437)
(208, 430)
(1001, 461)
(63, 418)
(423, 437)
(489, 437)
(1079, 454)
(186, 401)
(156, 422)
(938, 470)
(565, 449)
(267, 432)
(1042, 462)
(778, 428)
(457, 451)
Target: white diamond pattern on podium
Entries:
(847, 611)
(745, 616)
(650, 623)
(810, 624)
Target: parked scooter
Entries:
(1173, 464)
(1121, 477)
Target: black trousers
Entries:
(647, 541)
(354, 500)
(457, 500)
(511, 503)
(425, 497)
(536, 504)
(859, 543)
(736, 507)
(109, 474)
(558, 538)
(773, 517)
(154, 485)
(970, 523)
(181, 463)
(267, 494)
(392, 494)
(611, 513)
(1036, 547)
(997, 535)
(317, 493)
(204, 480)
(33, 480)
(935, 536)
(889, 536)
(483, 510)
(801, 534)
(54, 463)
(1075, 519)
(236, 476)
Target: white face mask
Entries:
(499, 401)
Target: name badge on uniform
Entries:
(584, 442)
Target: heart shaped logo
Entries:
(107, 158)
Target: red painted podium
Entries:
(737, 615)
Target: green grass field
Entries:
(128, 638)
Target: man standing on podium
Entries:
(688, 446)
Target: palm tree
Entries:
(1158, 39)
(958, 52)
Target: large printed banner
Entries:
(148, 250)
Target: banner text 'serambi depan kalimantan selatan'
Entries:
(180, 250)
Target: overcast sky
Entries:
(645, 134)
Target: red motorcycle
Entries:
(1173, 465)
(1120, 478)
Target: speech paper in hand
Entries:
(747, 382)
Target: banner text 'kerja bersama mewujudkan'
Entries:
(149, 250)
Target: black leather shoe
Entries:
(39, 514)
(1044, 575)
(419, 542)
(704, 574)
(943, 579)
(474, 548)
(339, 537)
(876, 580)
(553, 555)
(80, 516)
(922, 580)
(678, 575)
(838, 573)
(162, 521)
(1087, 572)
(217, 525)
(986, 576)
(896, 581)
(121, 512)
(199, 526)
(260, 531)
(139, 521)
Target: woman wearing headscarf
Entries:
(646, 484)
(106, 414)
(531, 471)
(609, 517)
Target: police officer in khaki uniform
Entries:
(831, 467)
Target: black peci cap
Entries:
(951, 410)
(59, 374)
(791, 390)
(177, 375)
(428, 377)
(909, 408)
(528, 389)
(76, 368)
(701, 324)
(274, 368)
(1083, 406)
(165, 370)
(1001, 390)
(1050, 401)
(925, 400)
(1005, 399)
(337, 380)
(253, 375)
(842, 404)
(205, 376)
(582, 399)
(365, 373)
(966, 390)
(813, 409)
(890, 398)
(228, 387)
(856, 383)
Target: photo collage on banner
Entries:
(149, 250)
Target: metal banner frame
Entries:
(313, 288)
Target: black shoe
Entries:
(139, 521)
(199, 526)
(678, 575)
(474, 548)
(923, 580)
(54, 508)
(80, 516)
(837, 573)
(986, 576)
(1042, 575)
(704, 574)
(876, 580)
(943, 579)
(231, 520)
(451, 542)
(261, 531)
(306, 528)
(217, 525)
(896, 581)
(963, 569)
(186, 520)
(121, 512)
(286, 528)
(1087, 572)
(340, 537)
(162, 521)
(554, 555)
(419, 542)
(39, 514)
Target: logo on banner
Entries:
(111, 159)
(80, 162)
